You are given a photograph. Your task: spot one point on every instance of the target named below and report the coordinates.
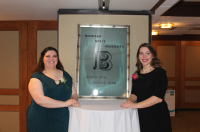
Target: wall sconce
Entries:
(154, 33)
(168, 25)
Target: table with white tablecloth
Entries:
(103, 116)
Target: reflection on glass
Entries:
(95, 92)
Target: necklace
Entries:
(147, 69)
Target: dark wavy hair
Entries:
(40, 65)
(155, 62)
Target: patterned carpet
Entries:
(186, 121)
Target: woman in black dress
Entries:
(149, 86)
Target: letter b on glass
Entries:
(102, 61)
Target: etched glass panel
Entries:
(102, 69)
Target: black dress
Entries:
(155, 118)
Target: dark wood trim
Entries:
(192, 78)
(32, 50)
(47, 25)
(23, 80)
(164, 43)
(160, 2)
(191, 105)
(9, 91)
(150, 29)
(171, 88)
(9, 107)
(187, 109)
(192, 87)
(104, 12)
(192, 43)
(176, 37)
(171, 78)
(178, 73)
(9, 25)
(182, 81)
(155, 44)
(32, 47)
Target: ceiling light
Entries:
(154, 33)
(104, 4)
(168, 25)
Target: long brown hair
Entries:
(40, 65)
(155, 62)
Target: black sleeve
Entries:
(161, 83)
(133, 89)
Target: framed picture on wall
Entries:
(103, 61)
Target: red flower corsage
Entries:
(135, 76)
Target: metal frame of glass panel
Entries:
(127, 57)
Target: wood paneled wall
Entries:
(180, 42)
(20, 26)
(177, 66)
(27, 62)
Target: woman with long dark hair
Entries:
(149, 86)
(52, 91)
